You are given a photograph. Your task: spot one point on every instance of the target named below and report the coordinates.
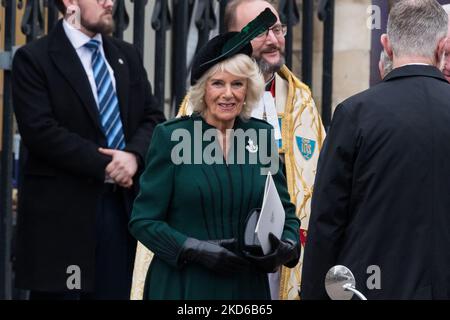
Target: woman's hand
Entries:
(214, 255)
(285, 252)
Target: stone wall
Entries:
(351, 65)
(352, 39)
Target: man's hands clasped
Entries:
(122, 167)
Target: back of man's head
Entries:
(268, 49)
(415, 28)
(231, 12)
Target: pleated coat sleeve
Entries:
(148, 220)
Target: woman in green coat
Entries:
(204, 175)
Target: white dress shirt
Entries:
(78, 39)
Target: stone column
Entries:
(352, 43)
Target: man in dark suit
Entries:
(86, 115)
(381, 205)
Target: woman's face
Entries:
(224, 98)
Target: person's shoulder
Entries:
(362, 103)
(35, 52)
(258, 123)
(367, 95)
(122, 45)
(175, 123)
(35, 46)
(289, 76)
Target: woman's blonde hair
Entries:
(239, 65)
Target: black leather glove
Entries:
(285, 252)
(214, 254)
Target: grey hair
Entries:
(239, 65)
(231, 11)
(415, 27)
(229, 19)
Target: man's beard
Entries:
(268, 68)
(100, 27)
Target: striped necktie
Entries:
(108, 103)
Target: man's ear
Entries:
(439, 53)
(68, 3)
(384, 39)
(381, 69)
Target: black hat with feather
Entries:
(229, 44)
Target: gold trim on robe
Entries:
(302, 138)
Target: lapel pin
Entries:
(120, 61)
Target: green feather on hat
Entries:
(254, 28)
(228, 44)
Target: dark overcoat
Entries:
(63, 173)
(381, 202)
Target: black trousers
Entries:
(115, 251)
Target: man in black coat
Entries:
(86, 115)
(381, 202)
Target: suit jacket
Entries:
(63, 174)
(380, 203)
